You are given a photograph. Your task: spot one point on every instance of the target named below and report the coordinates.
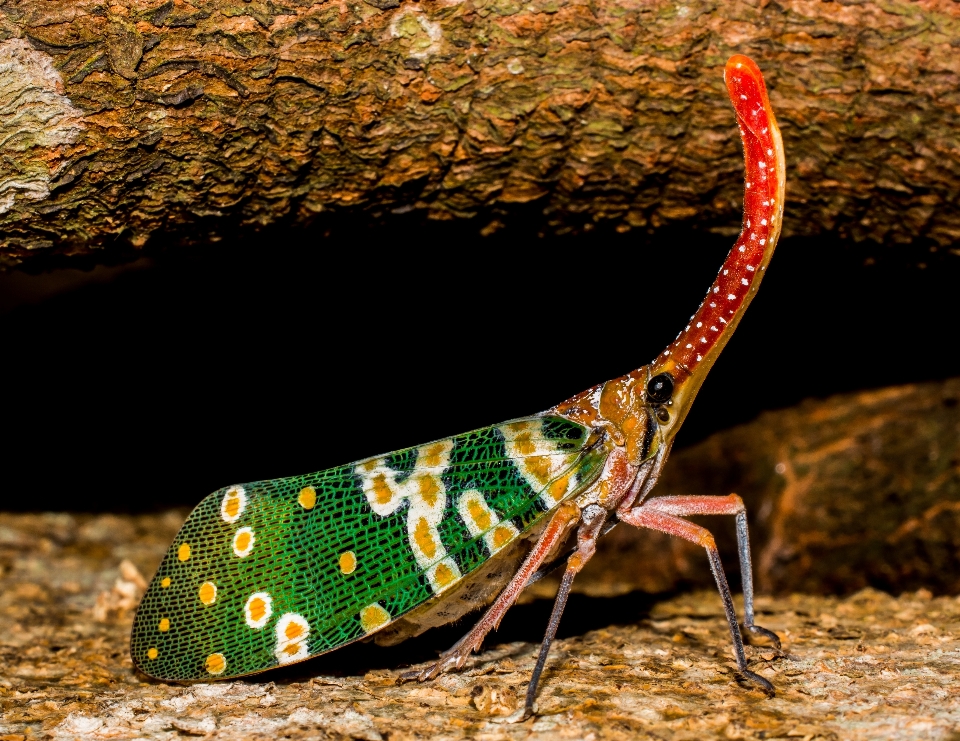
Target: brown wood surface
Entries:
(869, 666)
(123, 121)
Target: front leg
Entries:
(566, 516)
(643, 516)
(684, 506)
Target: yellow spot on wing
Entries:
(502, 536)
(525, 446)
(208, 593)
(348, 562)
(424, 538)
(558, 488)
(293, 631)
(444, 575)
(429, 489)
(373, 617)
(431, 455)
(479, 515)
(152, 653)
(164, 625)
(165, 582)
(381, 490)
(216, 664)
(258, 609)
(232, 505)
(243, 542)
(308, 497)
(539, 467)
(183, 552)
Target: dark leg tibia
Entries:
(593, 518)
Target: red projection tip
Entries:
(692, 354)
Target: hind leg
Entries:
(565, 518)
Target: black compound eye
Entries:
(660, 388)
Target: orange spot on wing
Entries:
(381, 489)
(502, 536)
(558, 489)
(208, 593)
(243, 541)
(152, 653)
(164, 625)
(431, 455)
(348, 562)
(424, 538)
(479, 515)
(292, 650)
(524, 445)
(539, 468)
(308, 497)
(183, 552)
(429, 489)
(258, 609)
(373, 617)
(444, 575)
(216, 663)
(232, 505)
(165, 582)
(293, 631)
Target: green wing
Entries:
(274, 572)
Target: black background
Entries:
(145, 386)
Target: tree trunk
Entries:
(124, 121)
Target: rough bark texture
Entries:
(866, 667)
(848, 492)
(126, 120)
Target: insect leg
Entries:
(592, 521)
(671, 525)
(566, 516)
(730, 505)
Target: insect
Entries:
(273, 572)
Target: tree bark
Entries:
(127, 120)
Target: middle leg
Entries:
(671, 525)
(592, 521)
(683, 506)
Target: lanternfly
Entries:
(274, 572)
